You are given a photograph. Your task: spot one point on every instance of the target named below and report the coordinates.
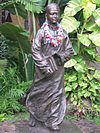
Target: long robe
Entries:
(46, 101)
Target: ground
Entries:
(71, 126)
(87, 126)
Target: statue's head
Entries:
(52, 13)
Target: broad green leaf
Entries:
(91, 26)
(78, 58)
(70, 63)
(72, 99)
(84, 39)
(96, 1)
(95, 38)
(90, 77)
(84, 3)
(66, 76)
(74, 85)
(72, 78)
(35, 6)
(96, 15)
(97, 74)
(79, 94)
(91, 51)
(30, 67)
(20, 9)
(79, 68)
(91, 68)
(81, 77)
(92, 90)
(87, 94)
(83, 84)
(70, 24)
(75, 46)
(88, 8)
(16, 35)
(83, 64)
(12, 6)
(85, 78)
(97, 57)
(72, 7)
(83, 91)
(67, 88)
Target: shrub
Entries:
(11, 91)
(81, 21)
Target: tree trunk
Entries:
(30, 25)
(0, 16)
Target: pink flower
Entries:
(49, 36)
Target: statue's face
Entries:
(53, 15)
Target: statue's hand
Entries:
(48, 71)
(58, 59)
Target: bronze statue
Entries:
(51, 48)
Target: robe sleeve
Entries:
(37, 53)
(68, 51)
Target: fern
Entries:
(3, 47)
(11, 91)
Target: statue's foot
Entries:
(55, 128)
(31, 122)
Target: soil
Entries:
(84, 125)
(87, 126)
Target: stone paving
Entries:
(22, 127)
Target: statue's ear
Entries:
(46, 15)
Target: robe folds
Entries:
(46, 100)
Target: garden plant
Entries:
(81, 19)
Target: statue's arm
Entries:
(37, 53)
(68, 51)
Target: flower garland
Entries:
(50, 38)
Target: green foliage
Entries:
(3, 65)
(30, 67)
(72, 23)
(3, 117)
(97, 120)
(17, 36)
(3, 47)
(19, 48)
(14, 117)
(35, 6)
(82, 89)
(81, 20)
(3, 53)
(12, 6)
(11, 91)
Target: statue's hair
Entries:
(51, 5)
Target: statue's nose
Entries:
(55, 15)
